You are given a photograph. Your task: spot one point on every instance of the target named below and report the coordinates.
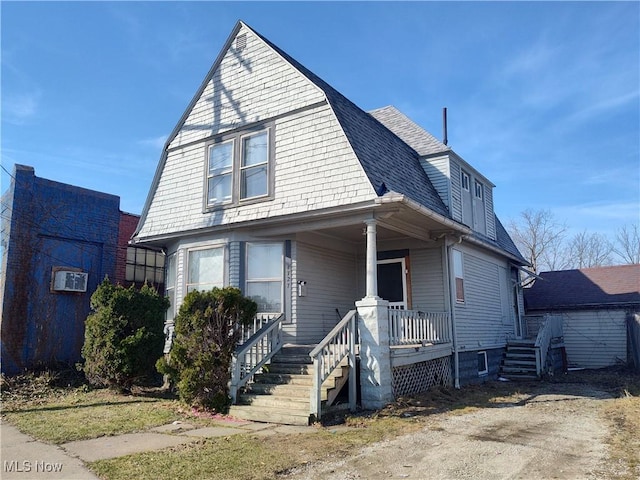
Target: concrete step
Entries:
(284, 378)
(261, 413)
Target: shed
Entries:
(596, 304)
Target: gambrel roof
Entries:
(612, 287)
(390, 163)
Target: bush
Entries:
(207, 332)
(124, 336)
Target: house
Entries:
(59, 242)
(595, 305)
(274, 182)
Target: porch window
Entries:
(170, 285)
(264, 276)
(239, 167)
(144, 265)
(458, 273)
(206, 269)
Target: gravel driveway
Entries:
(555, 433)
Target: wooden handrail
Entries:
(253, 354)
(339, 343)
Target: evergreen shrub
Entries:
(123, 336)
(207, 331)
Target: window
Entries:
(253, 172)
(220, 172)
(264, 276)
(238, 168)
(206, 269)
(144, 265)
(483, 367)
(170, 286)
(458, 273)
(464, 180)
(478, 190)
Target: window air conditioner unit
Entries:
(69, 281)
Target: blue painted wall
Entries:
(51, 225)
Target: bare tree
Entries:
(539, 237)
(589, 250)
(627, 245)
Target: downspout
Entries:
(452, 308)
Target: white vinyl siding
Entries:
(331, 285)
(479, 321)
(456, 192)
(437, 169)
(427, 280)
(595, 338)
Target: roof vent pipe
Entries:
(445, 140)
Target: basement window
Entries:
(483, 366)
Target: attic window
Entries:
(241, 42)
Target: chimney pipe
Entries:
(444, 126)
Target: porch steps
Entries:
(282, 392)
(519, 362)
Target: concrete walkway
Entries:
(27, 459)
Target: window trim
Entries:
(238, 138)
(484, 372)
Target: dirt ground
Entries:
(550, 432)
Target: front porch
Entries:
(296, 384)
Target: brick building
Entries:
(59, 242)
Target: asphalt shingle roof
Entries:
(390, 164)
(584, 288)
(411, 133)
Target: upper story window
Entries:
(464, 180)
(478, 190)
(239, 167)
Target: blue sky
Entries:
(543, 98)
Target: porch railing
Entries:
(340, 343)
(255, 352)
(412, 327)
(551, 328)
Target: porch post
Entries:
(375, 357)
(372, 260)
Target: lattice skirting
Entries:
(418, 377)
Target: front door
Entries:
(392, 282)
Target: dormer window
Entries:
(239, 168)
(478, 190)
(464, 180)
